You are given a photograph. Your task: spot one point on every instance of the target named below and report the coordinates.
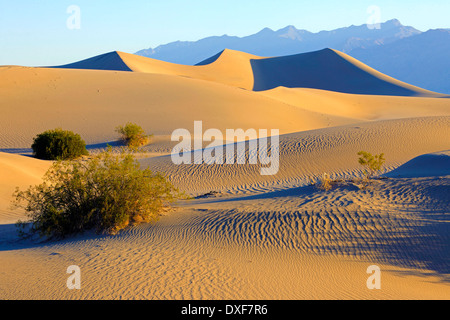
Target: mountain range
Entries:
(403, 52)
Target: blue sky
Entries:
(35, 33)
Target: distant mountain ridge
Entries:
(374, 47)
(423, 60)
(285, 41)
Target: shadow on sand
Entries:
(417, 239)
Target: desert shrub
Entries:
(325, 182)
(106, 192)
(58, 144)
(312, 181)
(133, 135)
(372, 164)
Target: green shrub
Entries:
(133, 135)
(58, 144)
(372, 164)
(106, 193)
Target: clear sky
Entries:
(44, 32)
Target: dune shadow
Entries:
(324, 70)
(421, 274)
(104, 145)
(20, 151)
(94, 146)
(10, 239)
(422, 246)
(211, 198)
(417, 238)
(308, 190)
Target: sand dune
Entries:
(17, 171)
(109, 61)
(359, 106)
(231, 67)
(159, 103)
(162, 97)
(296, 243)
(284, 243)
(257, 237)
(328, 70)
(309, 154)
(428, 165)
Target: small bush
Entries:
(58, 144)
(311, 181)
(372, 164)
(133, 135)
(106, 193)
(325, 183)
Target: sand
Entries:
(309, 154)
(160, 103)
(17, 171)
(257, 237)
(360, 106)
(230, 68)
(435, 164)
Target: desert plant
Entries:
(106, 192)
(372, 164)
(325, 182)
(58, 144)
(312, 181)
(133, 135)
